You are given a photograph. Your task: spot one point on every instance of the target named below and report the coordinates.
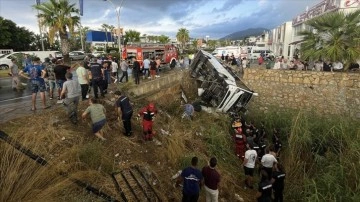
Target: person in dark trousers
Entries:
(105, 72)
(83, 78)
(60, 70)
(211, 181)
(97, 78)
(136, 70)
(192, 180)
(124, 66)
(278, 178)
(123, 107)
(265, 188)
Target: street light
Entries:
(118, 22)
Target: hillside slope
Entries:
(74, 152)
(244, 33)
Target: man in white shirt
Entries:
(268, 161)
(249, 165)
(114, 70)
(83, 78)
(146, 64)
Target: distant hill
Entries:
(244, 33)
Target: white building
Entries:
(263, 40)
(325, 6)
(280, 39)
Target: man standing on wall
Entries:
(146, 64)
(124, 66)
(136, 70)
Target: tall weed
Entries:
(321, 154)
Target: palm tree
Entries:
(111, 30)
(132, 36)
(163, 39)
(183, 36)
(105, 28)
(211, 44)
(59, 16)
(334, 36)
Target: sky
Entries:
(213, 18)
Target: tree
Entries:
(132, 36)
(211, 44)
(334, 36)
(111, 30)
(59, 16)
(14, 37)
(183, 36)
(195, 44)
(164, 39)
(106, 28)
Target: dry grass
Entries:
(75, 151)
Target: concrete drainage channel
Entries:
(137, 186)
(131, 183)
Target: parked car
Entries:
(5, 60)
(98, 53)
(77, 55)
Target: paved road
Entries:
(8, 94)
(15, 104)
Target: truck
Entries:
(166, 52)
(5, 60)
(218, 86)
(238, 51)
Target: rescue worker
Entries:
(264, 189)
(240, 143)
(148, 114)
(278, 177)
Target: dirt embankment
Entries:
(73, 151)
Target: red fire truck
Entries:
(166, 52)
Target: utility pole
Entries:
(118, 23)
(40, 29)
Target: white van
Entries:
(229, 50)
(254, 52)
(5, 60)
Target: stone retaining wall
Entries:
(324, 92)
(163, 82)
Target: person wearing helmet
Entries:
(148, 114)
(240, 143)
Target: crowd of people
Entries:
(282, 63)
(72, 84)
(253, 151)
